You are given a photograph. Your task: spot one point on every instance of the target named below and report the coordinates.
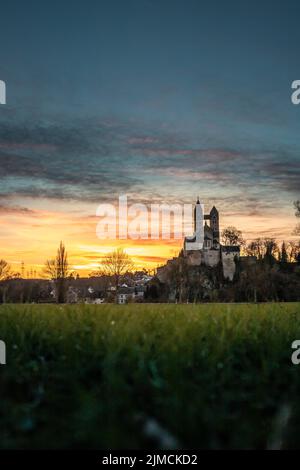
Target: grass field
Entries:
(141, 376)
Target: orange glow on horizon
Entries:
(32, 237)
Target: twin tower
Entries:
(206, 235)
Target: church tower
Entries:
(214, 225)
(197, 212)
(195, 242)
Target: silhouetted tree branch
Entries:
(57, 269)
(232, 236)
(116, 264)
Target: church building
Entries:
(204, 246)
(209, 238)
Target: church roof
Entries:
(207, 228)
(214, 210)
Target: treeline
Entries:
(264, 279)
(267, 279)
(58, 279)
(266, 271)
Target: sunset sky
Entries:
(161, 100)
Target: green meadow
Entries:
(149, 376)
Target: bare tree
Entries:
(116, 264)
(283, 253)
(5, 270)
(271, 250)
(5, 274)
(294, 252)
(271, 247)
(232, 236)
(297, 214)
(178, 278)
(256, 248)
(57, 269)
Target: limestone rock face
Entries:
(229, 255)
(194, 258)
(211, 257)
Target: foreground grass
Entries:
(108, 376)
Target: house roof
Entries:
(230, 249)
(126, 290)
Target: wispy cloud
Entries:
(94, 159)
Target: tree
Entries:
(271, 247)
(5, 273)
(5, 270)
(283, 254)
(271, 250)
(58, 270)
(115, 264)
(232, 236)
(294, 251)
(297, 214)
(177, 278)
(256, 248)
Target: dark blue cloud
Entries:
(153, 98)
